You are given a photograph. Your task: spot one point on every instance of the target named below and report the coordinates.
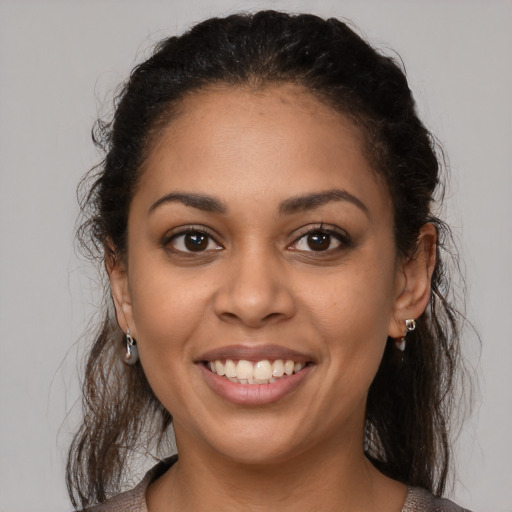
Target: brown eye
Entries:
(193, 241)
(196, 241)
(319, 241)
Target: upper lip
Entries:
(254, 353)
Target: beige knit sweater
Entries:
(417, 500)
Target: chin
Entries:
(260, 453)
(255, 442)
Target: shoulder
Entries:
(420, 500)
(129, 501)
(134, 500)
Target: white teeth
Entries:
(230, 368)
(288, 367)
(219, 367)
(297, 367)
(244, 370)
(258, 381)
(278, 368)
(261, 372)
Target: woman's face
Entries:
(259, 235)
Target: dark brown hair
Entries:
(411, 398)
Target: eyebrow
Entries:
(199, 201)
(312, 201)
(292, 205)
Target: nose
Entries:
(255, 292)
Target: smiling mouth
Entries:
(261, 372)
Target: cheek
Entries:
(359, 299)
(168, 313)
(351, 311)
(167, 310)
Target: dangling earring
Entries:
(410, 325)
(131, 355)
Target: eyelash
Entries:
(341, 237)
(191, 230)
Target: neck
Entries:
(330, 478)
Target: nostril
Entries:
(253, 305)
(229, 315)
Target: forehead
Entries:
(272, 142)
(269, 112)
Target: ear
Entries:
(413, 282)
(118, 276)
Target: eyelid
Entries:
(179, 231)
(340, 234)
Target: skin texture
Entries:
(258, 282)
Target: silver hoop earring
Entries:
(131, 355)
(410, 325)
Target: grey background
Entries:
(58, 62)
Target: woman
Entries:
(264, 215)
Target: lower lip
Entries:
(254, 394)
